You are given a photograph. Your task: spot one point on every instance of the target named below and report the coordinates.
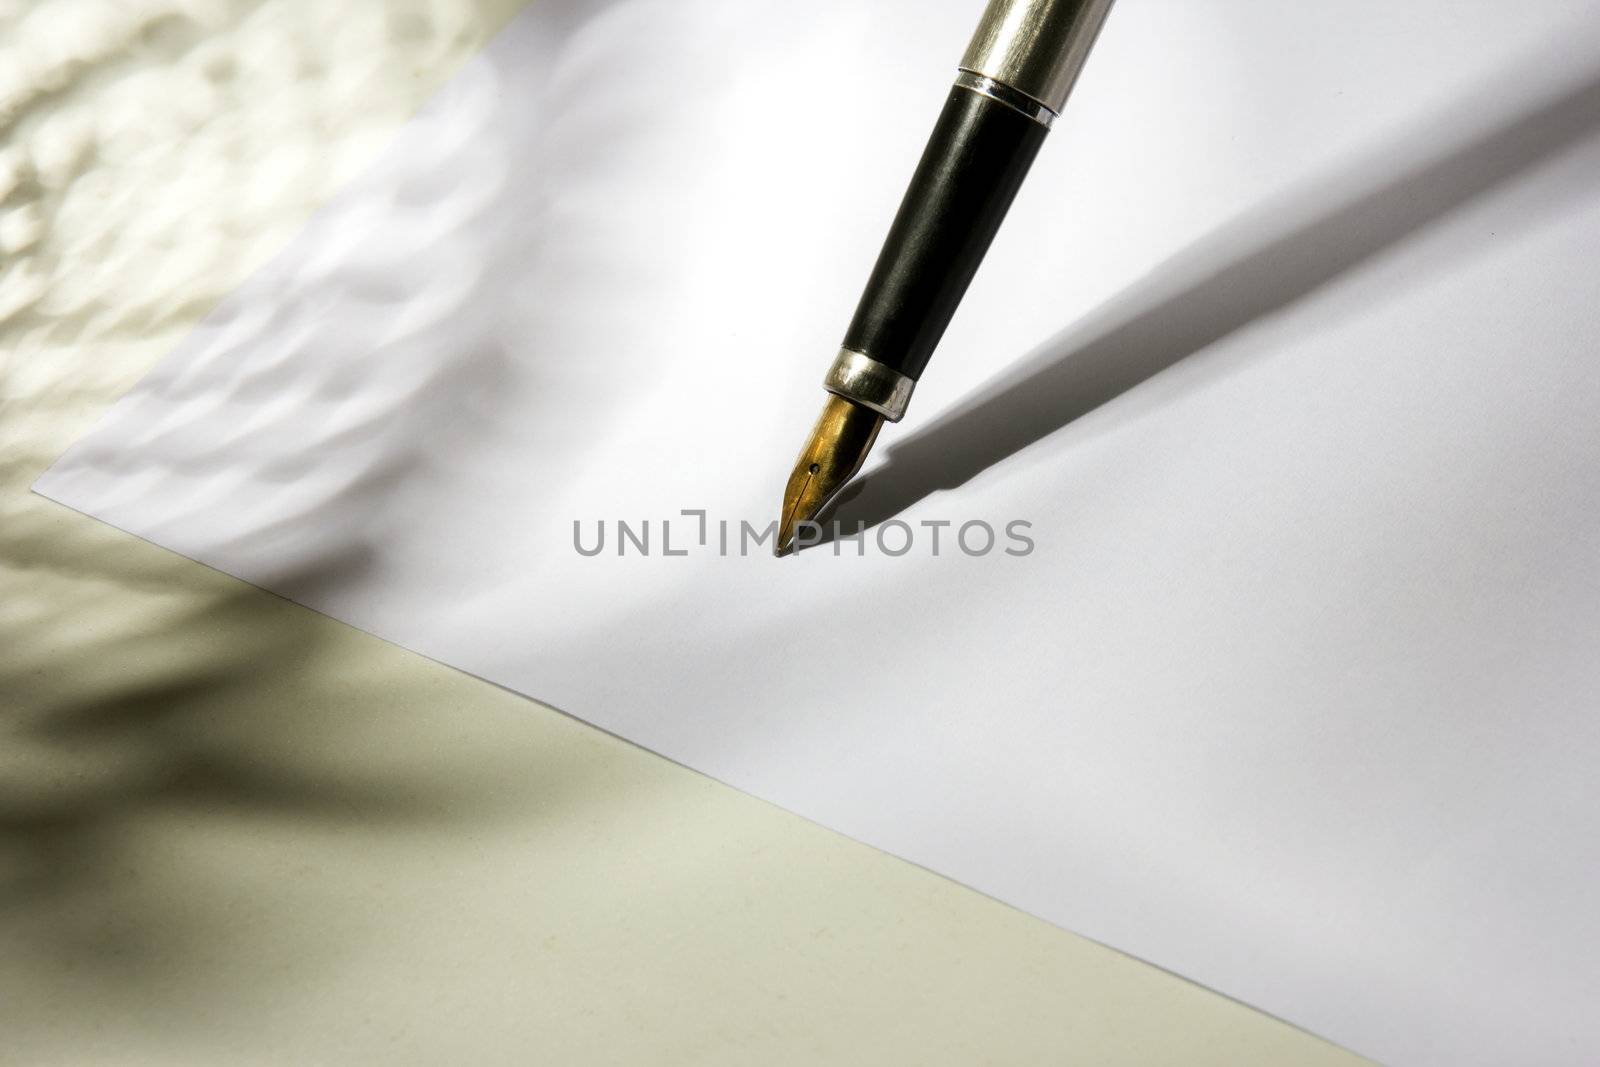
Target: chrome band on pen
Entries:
(1036, 47)
(1002, 93)
(869, 383)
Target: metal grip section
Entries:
(1036, 47)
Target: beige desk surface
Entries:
(234, 831)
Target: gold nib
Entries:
(835, 451)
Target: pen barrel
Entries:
(974, 163)
(1036, 47)
(1016, 75)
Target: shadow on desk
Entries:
(163, 727)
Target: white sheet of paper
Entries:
(1289, 353)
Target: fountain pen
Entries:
(1012, 82)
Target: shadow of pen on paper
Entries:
(1242, 272)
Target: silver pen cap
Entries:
(1036, 47)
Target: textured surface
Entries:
(234, 831)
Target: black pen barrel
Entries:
(1013, 81)
(974, 163)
